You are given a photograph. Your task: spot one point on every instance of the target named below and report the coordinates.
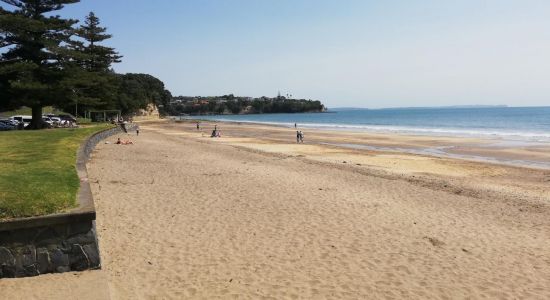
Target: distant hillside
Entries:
(230, 104)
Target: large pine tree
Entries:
(34, 51)
(100, 58)
(93, 82)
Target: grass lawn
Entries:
(37, 170)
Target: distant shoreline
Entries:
(256, 113)
(515, 124)
(476, 149)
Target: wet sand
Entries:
(253, 215)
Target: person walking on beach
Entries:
(198, 126)
(295, 126)
(297, 137)
(137, 130)
(301, 137)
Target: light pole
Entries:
(76, 103)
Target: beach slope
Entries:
(189, 217)
(184, 216)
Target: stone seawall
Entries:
(92, 141)
(50, 249)
(59, 242)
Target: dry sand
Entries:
(88, 285)
(251, 215)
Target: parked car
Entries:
(47, 120)
(6, 126)
(10, 122)
(55, 119)
(67, 118)
(26, 120)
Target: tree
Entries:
(97, 58)
(136, 91)
(90, 90)
(36, 49)
(93, 83)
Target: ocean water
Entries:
(507, 123)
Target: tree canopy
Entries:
(230, 104)
(32, 67)
(93, 83)
(137, 90)
(48, 60)
(95, 57)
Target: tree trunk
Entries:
(37, 122)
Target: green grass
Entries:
(37, 170)
(83, 121)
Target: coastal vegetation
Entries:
(47, 60)
(230, 104)
(136, 91)
(38, 170)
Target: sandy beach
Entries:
(253, 215)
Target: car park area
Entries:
(18, 122)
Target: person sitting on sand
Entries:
(126, 142)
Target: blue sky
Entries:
(346, 53)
